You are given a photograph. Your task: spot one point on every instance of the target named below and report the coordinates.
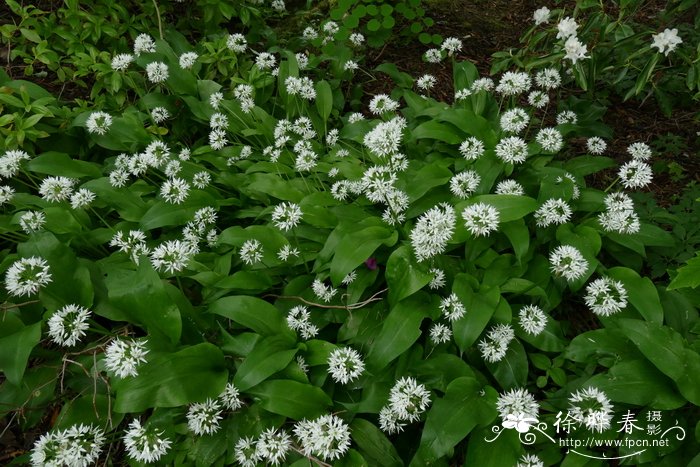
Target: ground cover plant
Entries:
(225, 256)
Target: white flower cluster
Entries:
(566, 261)
(299, 319)
(591, 407)
(26, 276)
(79, 445)
(619, 215)
(407, 401)
(574, 48)
(302, 87)
(68, 324)
(495, 345)
(432, 231)
(666, 41)
(606, 296)
(123, 357)
(518, 403)
(345, 365)
(145, 444)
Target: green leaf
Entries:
(642, 293)
(504, 450)
(141, 296)
(61, 164)
(373, 444)
(324, 99)
(688, 275)
(637, 382)
(480, 306)
(253, 313)
(452, 417)
(666, 349)
(173, 380)
(357, 245)
(270, 355)
(401, 328)
(511, 371)
(15, 350)
(644, 76)
(464, 74)
(163, 214)
(587, 165)
(518, 235)
(403, 80)
(404, 275)
(435, 130)
(292, 399)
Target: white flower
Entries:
(82, 198)
(157, 72)
(438, 279)
(144, 43)
(591, 407)
(278, 5)
(56, 189)
(357, 39)
(426, 82)
(513, 83)
(330, 28)
(514, 120)
(203, 417)
(10, 162)
(464, 184)
(621, 221)
(286, 216)
(517, 402)
(568, 262)
(299, 319)
(26, 276)
(381, 103)
(350, 65)
(217, 139)
(532, 319)
(172, 256)
(509, 187)
(160, 114)
(635, 174)
(175, 190)
(567, 117)
(575, 49)
(355, 117)
(133, 244)
(145, 444)
(385, 138)
(666, 41)
(322, 291)
(124, 357)
(310, 34)
(230, 398)
(512, 149)
(236, 43)
(302, 60)
(433, 56)
(553, 211)
(639, 151)
(188, 59)
(549, 78)
(567, 28)
(32, 221)
(439, 333)
(452, 308)
(272, 446)
(605, 296)
(389, 421)
(265, 61)
(529, 460)
(326, 437)
(245, 453)
(541, 15)
(596, 145)
(345, 365)
(98, 123)
(215, 99)
(462, 94)
(432, 231)
(495, 345)
(550, 139)
(302, 87)
(6, 194)
(481, 219)
(538, 99)
(121, 62)
(251, 251)
(68, 325)
(349, 278)
(79, 445)
(201, 179)
(451, 45)
(408, 399)
(483, 84)
(287, 251)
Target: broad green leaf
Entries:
(433, 129)
(420, 181)
(253, 313)
(587, 165)
(666, 349)
(484, 451)
(324, 99)
(88, 409)
(688, 275)
(464, 74)
(600, 343)
(356, 246)
(480, 306)
(404, 275)
(642, 293)
(15, 350)
(511, 371)
(373, 443)
(173, 380)
(637, 382)
(452, 417)
(61, 164)
(402, 79)
(292, 399)
(141, 296)
(401, 328)
(518, 235)
(270, 355)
